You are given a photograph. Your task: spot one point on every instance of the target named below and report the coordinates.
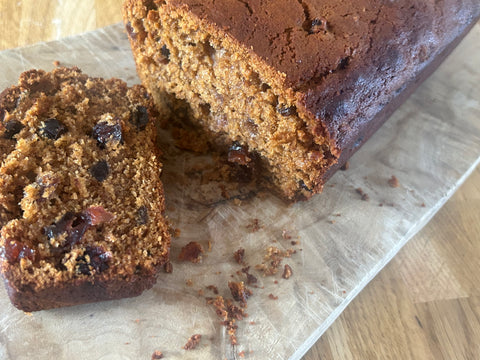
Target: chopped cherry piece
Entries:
(98, 215)
(16, 250)
(239, 154)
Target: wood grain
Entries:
(424, 305)
(26, 22)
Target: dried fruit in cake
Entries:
(81, 201)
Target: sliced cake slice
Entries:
(80, 191)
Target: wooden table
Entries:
(424, 305)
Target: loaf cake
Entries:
(295, 87)
(80, 195)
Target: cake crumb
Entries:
(254, 226)
(192, 342)
(189, 282)
(393, 182)
(239, 255)
(241, 354)
(287, 272)
(423, 204)
(237, 201)
(239, 292)
(168, 267)
(273, 297)
(191, 252)
(157, 354)
(286, 235)
(229, 314)
(345, 166)
(190, 140)
(223, 191)
(56, 63)
(213, 288)
(251, 279)
(331, 221)
(273, 259)
(364, 196)
(176, 232)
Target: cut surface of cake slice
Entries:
(297, 85)
(80, 194)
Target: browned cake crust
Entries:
(301, 84)
(80, 196)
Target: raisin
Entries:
(304, 186)
(12, 128)
(93, 258)
(53, 129)
(131, 31)
(2, 114)
(343, 63)
(58, 228)
(142, 215)
(16, 250)
(100, 170)
(82, 266)
(74, 224)
(287, 111)
(316, 25)
(139, 117)
(105, 133)
(165, 53)
(99, 258)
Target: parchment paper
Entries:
(431, 144)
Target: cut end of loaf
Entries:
(231, 93)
